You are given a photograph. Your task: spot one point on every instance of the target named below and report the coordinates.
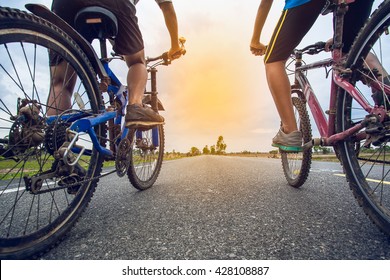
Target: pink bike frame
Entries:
(326, 126)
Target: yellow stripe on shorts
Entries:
(271, 47)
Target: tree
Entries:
(221, 146)
(194, 151)
(206, 150)
(212, 150)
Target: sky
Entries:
(218, 88)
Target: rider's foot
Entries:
(143, 116)
(291, 142)
(378, 95)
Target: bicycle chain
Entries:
(76, 183)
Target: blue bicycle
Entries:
(51, 164)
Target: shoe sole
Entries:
(140, 124)
(290, 149)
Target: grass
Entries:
(30, 167)
(10, 169)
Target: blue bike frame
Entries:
(84, 123)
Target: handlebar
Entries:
(161, 60)
(312, 49)
(164, 58)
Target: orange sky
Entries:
(218, 87)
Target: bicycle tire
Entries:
(296, 166)
(147, 153)
(32, 223)
(366, 168)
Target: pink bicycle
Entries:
(357, 122)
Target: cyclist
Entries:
(297, 18)
(129, 43)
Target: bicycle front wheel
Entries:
(366, 155)
(41, 198)
(147, 153)
(296, 166)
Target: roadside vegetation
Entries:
(319, 153)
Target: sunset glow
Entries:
(218, 87)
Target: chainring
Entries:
(123, 157)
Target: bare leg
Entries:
(136, 82)
(136, 77)
(279, 86)
(373, 63)
(63, 79)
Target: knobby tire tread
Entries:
(306, 155)
(14, 18)
(132, 175)
(354, 176)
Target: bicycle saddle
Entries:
(96, 23)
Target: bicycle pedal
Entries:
(308, 145)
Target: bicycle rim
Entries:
(367, 161)
(296, 166)
(34, 216)
(147, 156)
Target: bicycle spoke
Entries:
(40, 195)
(366, 161)
(31, 72)
(296, 166)
(146, 157)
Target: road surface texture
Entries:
(221, 208)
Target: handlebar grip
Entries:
(165, 56)
(182, 40)
(320, 45)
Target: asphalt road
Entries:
(223, 208)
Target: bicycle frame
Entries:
(340, 80)
(84, 123)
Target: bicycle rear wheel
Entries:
(365, 156)
(147, 153)
(41, 198)
(296, 166)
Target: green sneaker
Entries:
(291, 142)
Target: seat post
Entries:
(103, 48)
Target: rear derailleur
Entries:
(70, 176)
(377, 128)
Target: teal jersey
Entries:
(294, 3)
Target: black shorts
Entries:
(358, 13)
(296, 22)
(293, 25)
(129, 38)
